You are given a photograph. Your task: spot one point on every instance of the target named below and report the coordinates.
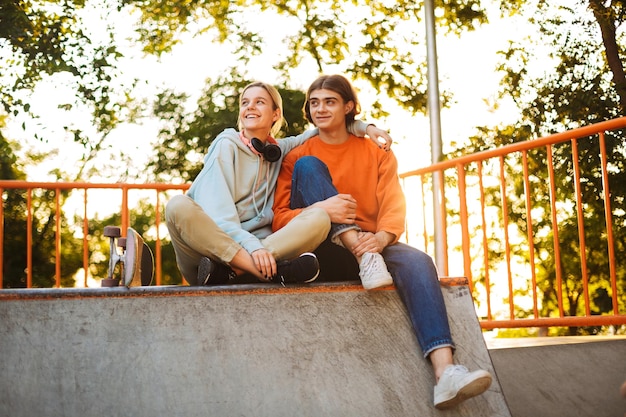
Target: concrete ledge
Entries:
(257, 350)
(183, 290)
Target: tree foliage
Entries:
(41, 38)
(379, 42)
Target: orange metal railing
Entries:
(461, 194)
(124, 210)
(471, 168)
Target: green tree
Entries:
(56, 40)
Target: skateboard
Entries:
(136, 259)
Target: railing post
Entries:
(85, 245)
(57, 237)
(465, 239)
(609, 222)
(1, 237)
(124, 211)
(29, 239)
(435, 129)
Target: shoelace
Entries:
(278, 276)
(231, 274)
(282, 280)
(372, 264)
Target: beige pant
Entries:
(194, 235)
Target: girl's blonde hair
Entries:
(278, 104)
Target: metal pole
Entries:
(435, 128)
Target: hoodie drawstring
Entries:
(259, 214)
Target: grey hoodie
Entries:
(236, 186)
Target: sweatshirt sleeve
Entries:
(392, 204)
(358, 128)
(288, 143)
(282, 197)
(212, 191)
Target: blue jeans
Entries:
(311, 182)
(413, 271)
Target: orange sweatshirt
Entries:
(358, 167)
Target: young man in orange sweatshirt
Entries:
(367, 215)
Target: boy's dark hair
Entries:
(340, 85)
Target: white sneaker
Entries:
(457, 384)
(373, 271)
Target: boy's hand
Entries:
(340, 208)
(370, 242)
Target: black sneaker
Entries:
(211, 272)
(303, 269)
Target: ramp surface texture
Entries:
(256, 350)
(563, 377)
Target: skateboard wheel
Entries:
(112, 231)
(121, 242)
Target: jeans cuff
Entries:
(339, 229)
(439, 345)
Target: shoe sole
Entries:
(473, 389)
(377, 284)
(204, 272)
(318, 267)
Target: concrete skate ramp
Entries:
(252, 350)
